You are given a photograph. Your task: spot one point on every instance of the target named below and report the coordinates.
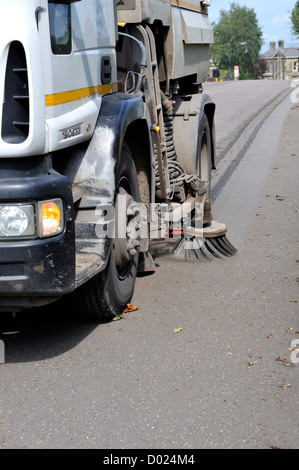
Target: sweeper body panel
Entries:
(103, 119)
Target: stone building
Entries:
(280, 63)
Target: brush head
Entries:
(211, 230)
(207, 243)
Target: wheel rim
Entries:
(127, 237)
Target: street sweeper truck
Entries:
(107, 142)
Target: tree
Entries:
(238, 40)
(295, 19)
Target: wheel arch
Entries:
(138, 139)
(187, 118)
(91, 167)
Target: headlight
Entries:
(24, 221)
(17, 221)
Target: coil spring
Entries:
(176, 171)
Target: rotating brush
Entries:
(210, 243)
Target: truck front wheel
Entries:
(107, 294)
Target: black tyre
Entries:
(205, 152)
(107, 294)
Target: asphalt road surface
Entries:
(236, 102)
(204, 362)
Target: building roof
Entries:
(288, 53)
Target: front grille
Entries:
(15, 117)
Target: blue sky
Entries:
(273, 17)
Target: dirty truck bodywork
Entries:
(103, 112)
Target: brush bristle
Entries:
(203, 248)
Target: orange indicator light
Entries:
(51, 217)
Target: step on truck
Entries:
(103, 118)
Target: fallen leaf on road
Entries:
(130, 308)
(284, 361)
(177, 330)
(283, 385)
(251, 363)
(175, 390)
(118, 317)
